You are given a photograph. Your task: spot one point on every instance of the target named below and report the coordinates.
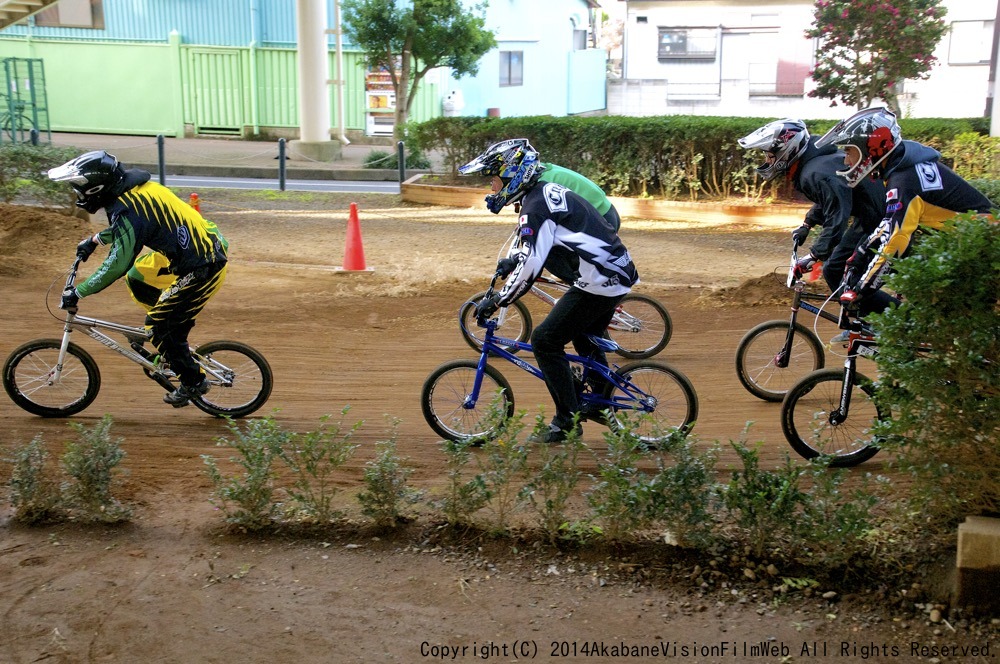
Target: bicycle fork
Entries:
(839, 415)
(781, 359)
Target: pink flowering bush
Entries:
(867, 46)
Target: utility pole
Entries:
(992, 107)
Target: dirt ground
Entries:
(172, 586)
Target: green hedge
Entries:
(23, 176)
(672, 157)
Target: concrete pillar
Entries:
(314, 99)
(978, 563)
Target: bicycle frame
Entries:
(801, 300)
(136, 336)
(634, 399)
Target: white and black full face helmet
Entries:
(94, 176)
(782, 141)
(872, 135)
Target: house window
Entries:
(73, 14)
(688, 43)
(579, 40)
(971, 42)
(511, 68)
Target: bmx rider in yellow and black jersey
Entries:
(141, 214)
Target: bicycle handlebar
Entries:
(71, 277)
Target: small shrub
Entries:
(386, 485)
(619, 499)
(681, 494)
(502, 460)
(313, 457)
(836, 521)
(91, 462)
(464, 497)
(390, 160)
(34, 495)
(551, 487)
(765, 503)
(247, 500)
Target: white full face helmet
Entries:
(783, 141)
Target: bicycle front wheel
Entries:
(29, 378)
(813, 425)
(758, 353)
(669, 394)
(514, 322)
(241, 379)
(641, 327)
(448, 408)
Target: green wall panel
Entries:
(170, 88)
(90, 91)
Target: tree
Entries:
(868, 47)
(410, 39)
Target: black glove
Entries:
(86, 248)
(803, 265)
(486, 307)
(70, 298)
(505, 266)
(800, 234)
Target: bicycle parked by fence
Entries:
(58, 378)
(456, 397)
(641, 326)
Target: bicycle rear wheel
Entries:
(515, 322)
(669, 393)
(241, 379)
(28, 378)
(810, 423)
(641, 327)
(757, 357)
(445, 402)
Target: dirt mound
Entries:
(767, 290)
(32, 236)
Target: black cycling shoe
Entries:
(593, 413)
(183, 394)
(553, 435)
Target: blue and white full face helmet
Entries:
(515, 162)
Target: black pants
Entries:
(836, 264)
(172, 318)
(576, 315)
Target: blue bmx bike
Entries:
(457, 396)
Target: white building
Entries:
(751, 58)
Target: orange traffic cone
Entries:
(195, 203)
(354, 253)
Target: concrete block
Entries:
(979, 543)
(977, 583)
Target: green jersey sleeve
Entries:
(123, 251)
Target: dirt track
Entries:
(169, 588)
